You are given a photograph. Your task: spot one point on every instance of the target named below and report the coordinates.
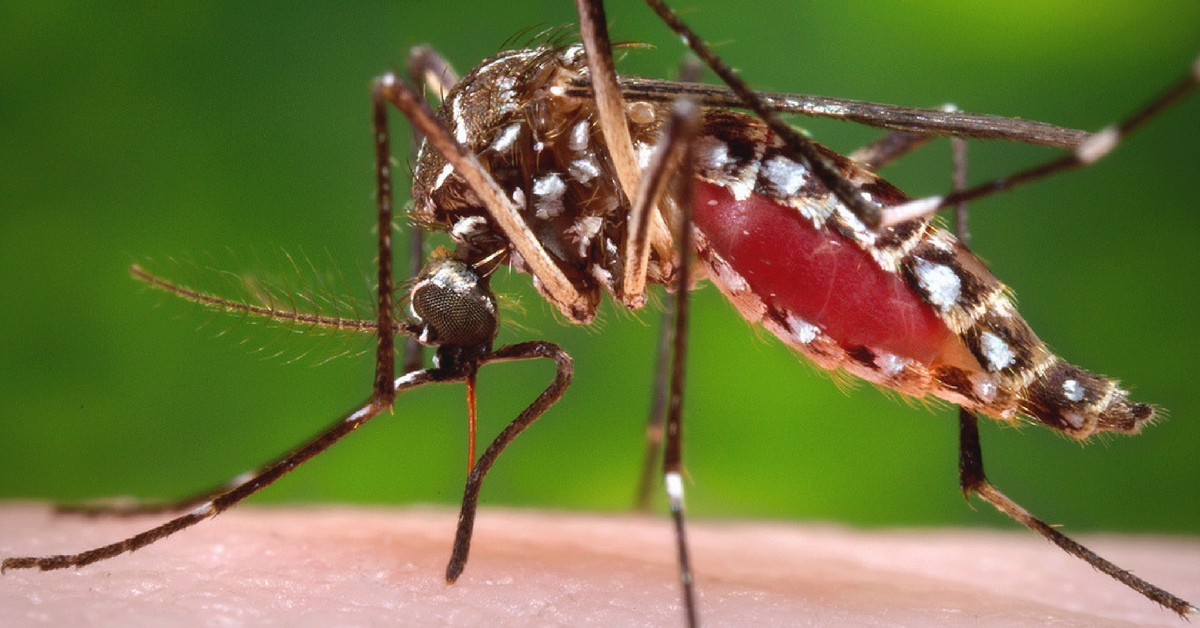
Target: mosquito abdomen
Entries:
(909, 308)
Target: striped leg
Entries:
(1090, 151)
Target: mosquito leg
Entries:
(134, 508)
(425, 67)
(672, 160)
(682, 128)
(564, 369)
(652, 193)
(1087, 153)
(973, 481)
(652, 461)
(385, 352)
(845, 190)
(897, 144)
(428, 68)
(892, 146)
(593, 29)
(958, 151)
(888, 148)
(690, 70)
(647, 229)
(248, 486)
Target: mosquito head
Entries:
(453, 306)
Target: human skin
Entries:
(345, 566)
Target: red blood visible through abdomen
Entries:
(821, 277)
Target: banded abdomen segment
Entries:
(910, 308)
(979, 309)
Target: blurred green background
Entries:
(223, 133)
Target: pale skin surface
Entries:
(332, 566)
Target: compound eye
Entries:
(453, 305)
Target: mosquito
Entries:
(544, 160)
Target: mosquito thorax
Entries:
(545, 149)
(453, 305)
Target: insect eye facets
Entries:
(453, 306)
